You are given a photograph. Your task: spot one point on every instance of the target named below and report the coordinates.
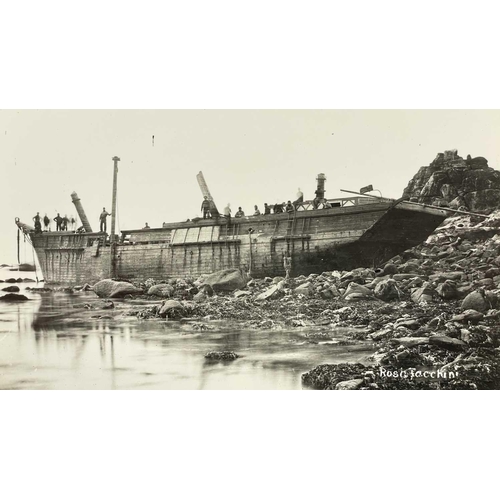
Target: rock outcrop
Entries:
(451, 181)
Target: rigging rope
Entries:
(18, 244)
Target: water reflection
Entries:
(54, 341)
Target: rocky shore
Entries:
(432, 313)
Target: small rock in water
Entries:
(13, 297)
(221, 355)
(10, 289)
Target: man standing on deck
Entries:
(102, 220)
(300, 198)
(46, 222)
(38, 223)
(227, 213)
(58, 220)
(205, 207)
(64, 223)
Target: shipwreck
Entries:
(355, 231)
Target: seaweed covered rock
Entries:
(328, 376)
(172, 309)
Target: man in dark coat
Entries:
(102, 220)
(38, 223)
(205, 208)
(58, 220)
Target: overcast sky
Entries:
(247, 157)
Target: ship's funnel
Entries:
(320, 190)
(81, 212)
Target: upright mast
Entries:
(112, 236)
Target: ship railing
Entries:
(336, 203)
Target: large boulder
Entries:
(172, 309)
(12, 288)
(114, 289)
(357, 292)
(162, 290)
(447, 290)
(477, 301)
(387, 290)
(423, 294)
(273, 291)
(227, 280)
(306, 289)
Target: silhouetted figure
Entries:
(267, 209)
(227, 212)
(58, 220)
(72, 221)
(38, 223)
(239, 213)
(102, 220)
(289, 207)
(300, 198)
(205, 208)
(278, 208)
(146, 226)
(256, 210)
(64, 223)
(46, 223)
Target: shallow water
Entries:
(48, 343)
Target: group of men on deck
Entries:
(277, 208)
(61, 222)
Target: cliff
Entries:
(451, 181)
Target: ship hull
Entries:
(361, 235)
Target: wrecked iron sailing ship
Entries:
(359, 231)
